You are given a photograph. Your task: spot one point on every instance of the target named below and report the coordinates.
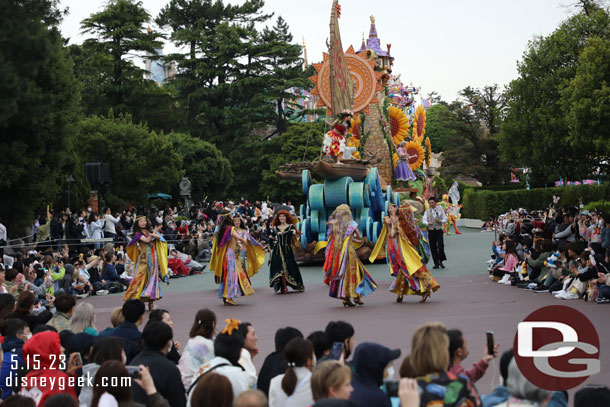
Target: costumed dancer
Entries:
(148, 251)
(400, 236)
(228, 270)
(239, 225)
(334, 141)
(284, 271)
(403, 171)
(450, 210)
(345, 273)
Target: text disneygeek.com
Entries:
(64, 382)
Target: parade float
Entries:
(370, 112)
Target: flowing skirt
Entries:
(350, 279)
(403, 172)
(145, 284)
(420, 282)
(235, 281)
(283, 264)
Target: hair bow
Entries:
(232, 324)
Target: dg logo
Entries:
(557, 348)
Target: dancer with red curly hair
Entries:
(284, 271)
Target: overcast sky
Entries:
(440, 45)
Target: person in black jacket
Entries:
(371, 363)
(157, 341)
(133, 311)
(275, 363)
(161, 315)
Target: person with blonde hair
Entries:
(331, 380)
(345, 273)
(429, 359)
(401, 236)
(83, 319)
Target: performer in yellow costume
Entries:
(453, 214)
(148, 251)
(227, 265)
(400, 236)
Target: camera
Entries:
(392, 388)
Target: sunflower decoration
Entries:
(399, 124)
(429, 150)
(419, 124)
(416, 154)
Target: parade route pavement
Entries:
(466, 300)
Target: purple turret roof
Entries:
(373, 42)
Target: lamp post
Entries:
(69, 180)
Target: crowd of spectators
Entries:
(563, 251)
(138, 362)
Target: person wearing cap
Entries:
(372, 365)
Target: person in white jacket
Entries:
(199, 349)
(293, 388)
(250, 349)
(96, 228)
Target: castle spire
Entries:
(304, 54)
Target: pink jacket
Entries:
(474, 373)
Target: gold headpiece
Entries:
(232, 324)
(140, 217)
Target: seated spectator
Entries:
(227, 348)
(503, 272)
(213, 390)
(42, 383)
(522, 392)
(16, 332)
(250, 349)
(133, 312)
(458, 352)
(23, 309)
(62, 274)
(199, 349)
(106, 392)
(251, 398)
(156, 342)
(430, 359)
(342, 332)
(371, 364)
(17, 400)
(64, 308)
(83, 319)
(592, 396)
(331, 380)
(14, 282)
(161, 315)
(293, 388)
(275, 362)
(321, 344)
(110, 276)
(7, 304)
(105, 349)
(116, 319)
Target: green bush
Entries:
(603, 206)
(479, 204)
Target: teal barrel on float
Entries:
(368, 202)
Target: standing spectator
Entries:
(199, 349)
(44, 381)
(372, 363)
(430, 358)
(96, 229)
(157, 341)
(56, 230)
(275, 363)
(293, 388)
(250, 349)
(434, 218)
(458, 351)
(133, 312)
(109, 224)
(64, 308)
(331, 380)
(3, 238)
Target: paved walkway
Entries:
(467, 300)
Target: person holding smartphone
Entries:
(458, 352)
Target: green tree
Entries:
(440, 124)
(141, 161)
(208, 170)
(300, 142)
(488, 105)
(535, 130)
(586, 102)
(38, 109)
(120, 33)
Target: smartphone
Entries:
(391, 388)
(337, 350)
(133, 371)
(490, 343)
(79, 359)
